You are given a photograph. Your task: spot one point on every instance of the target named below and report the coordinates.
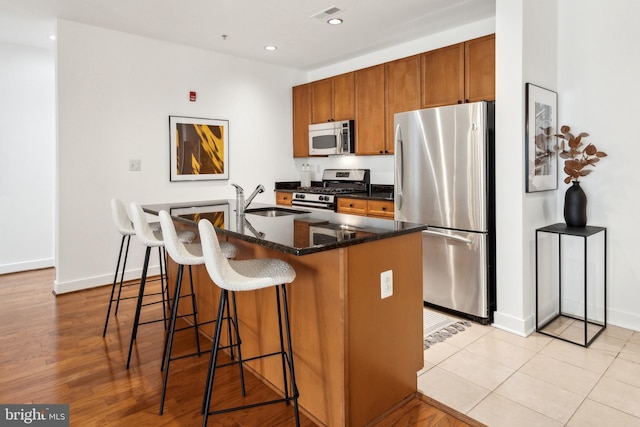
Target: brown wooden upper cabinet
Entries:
(333, 99)
(464, 72)
(370, 135)
(301, 119)
(402, 93)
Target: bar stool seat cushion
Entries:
(244, 275)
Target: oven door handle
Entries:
(311, 205)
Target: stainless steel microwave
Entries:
(332, 138)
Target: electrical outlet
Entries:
(135, 165)
(386, 284)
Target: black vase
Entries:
(575, 206)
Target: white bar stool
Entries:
(124, 226)
(248, 275)
(151, 239)
(188, 254)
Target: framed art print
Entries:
(199, 149)
(541, 116)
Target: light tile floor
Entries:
(501, 379)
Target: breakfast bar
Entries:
(357, 339)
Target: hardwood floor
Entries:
(52, 351)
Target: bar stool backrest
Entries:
(175, 247)
(121, 218)
(145, 234)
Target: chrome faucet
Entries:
(239, 199)
(259, 189)
(241, 205)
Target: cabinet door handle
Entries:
(384, 208)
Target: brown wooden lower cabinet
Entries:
(356, 355)
(370, 207)
(283, 198)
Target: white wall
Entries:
(598, 69)
(526, 45)
(115, 94)
(27, 149)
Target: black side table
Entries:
(561, 324)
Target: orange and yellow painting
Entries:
(199, 149)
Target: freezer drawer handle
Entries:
(448, 236)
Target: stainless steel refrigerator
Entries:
(444, 178)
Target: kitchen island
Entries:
(356, 353)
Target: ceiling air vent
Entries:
(323, 14)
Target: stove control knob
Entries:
(299, 196)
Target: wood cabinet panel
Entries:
(333, 99)
(443, 76)
(283, 198)
(352, 206)
(344, 97)
(480, 69)
(321, 101)
(380, 208)
(369, 101)
(464, 72)
(374, 208)
(402, 92)
(301, 120)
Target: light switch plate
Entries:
(135, 165)
(386, 284)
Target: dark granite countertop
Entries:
(373, 196)
(300, 234)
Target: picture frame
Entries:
(541, 125)
(199, 149)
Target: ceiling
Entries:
(303, 42)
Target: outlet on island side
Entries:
(386, 284)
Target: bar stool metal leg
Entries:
(115, 281)
(136, 318)
(169, 340)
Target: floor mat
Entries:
(438, 327)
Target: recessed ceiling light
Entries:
(270, 48)
(52, 37)
(335, 21)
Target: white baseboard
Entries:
(522, 327)
(26, 266)
(60, 287)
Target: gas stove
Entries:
(334, 182)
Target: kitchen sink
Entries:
(273, 212)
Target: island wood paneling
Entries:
(352, 364)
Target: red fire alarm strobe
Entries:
(192, 96)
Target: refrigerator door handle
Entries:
(399, 168)
(448, 236)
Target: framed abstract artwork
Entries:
(199, 149)
(541, 125)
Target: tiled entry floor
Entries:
(501, 379)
